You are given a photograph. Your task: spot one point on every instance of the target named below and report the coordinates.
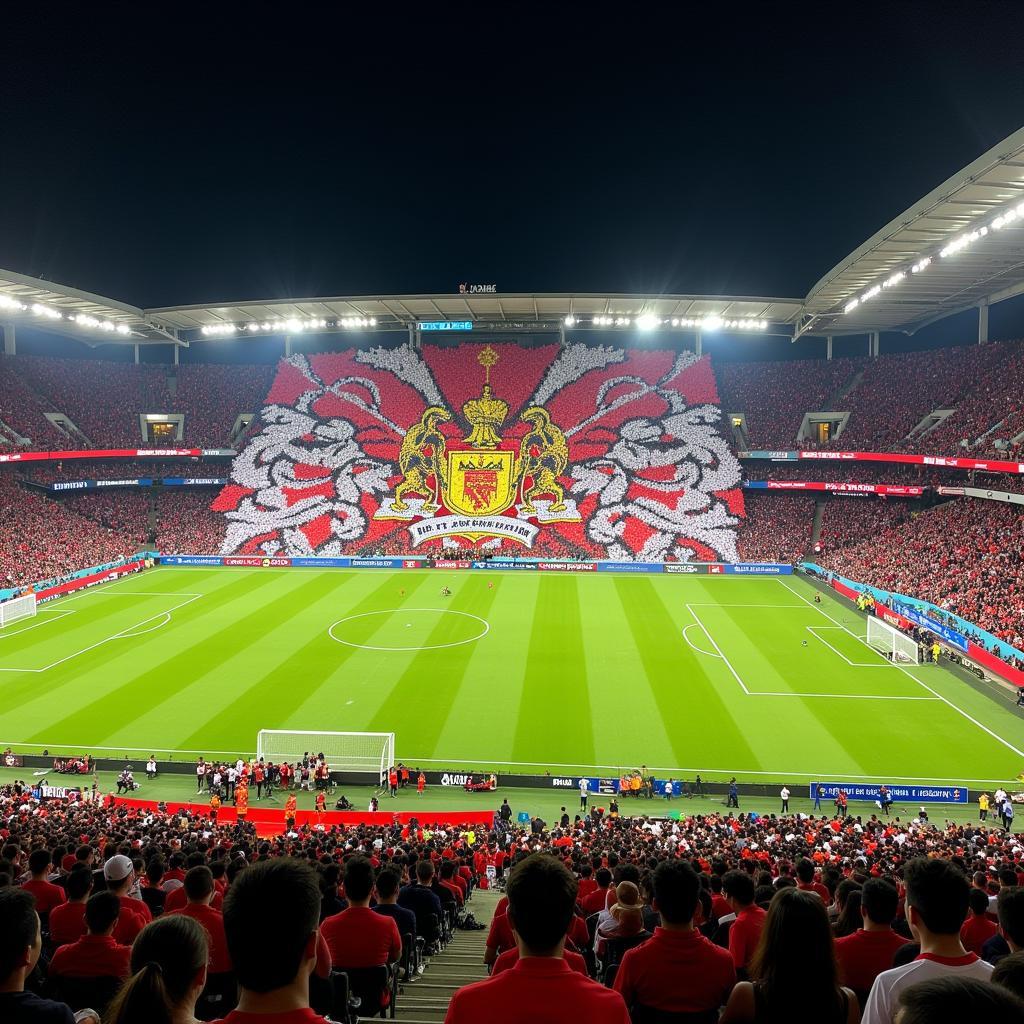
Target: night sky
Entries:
(230, 156)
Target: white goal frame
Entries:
(16, 608)
(345, 751)
(892, 642)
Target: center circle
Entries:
(474, 623)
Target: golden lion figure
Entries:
(414, 462)
(543, 455)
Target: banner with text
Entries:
(892, 490)
(948, 462)
(119, 453)
(899, 794)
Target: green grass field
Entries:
(541, 671)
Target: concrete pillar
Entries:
(699, 348)
(10, 345)
(874, 344)
(287, 345)
(175, 347)
(136, 354)
(561, 335)
(983, 321)
(828, 346)
(412, 336)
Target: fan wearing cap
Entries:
(119, 874)
(541, 897)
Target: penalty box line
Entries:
(786, 693)
(934, 693)
(124, 634)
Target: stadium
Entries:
(330, 578)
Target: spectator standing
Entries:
(785, 799)
(541, 898)
(793, 973)
(734, 794)
(937, 900)
(584, 793)
(46, 894)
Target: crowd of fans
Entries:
(104, 399)
(45, 539)
(775, 396)
(185, 524)
(122, 512)
(889, 398)
(777, 527)
(966, 555)
(604, 918)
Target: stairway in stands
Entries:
(425, 1001)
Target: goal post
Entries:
(891, 642)
(345, 751)
(16, 608)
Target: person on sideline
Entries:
(785, 799)
(793, 973)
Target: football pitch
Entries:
(513, 671)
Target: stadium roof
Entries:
(960, 246)
(988, 267)
(501, 311)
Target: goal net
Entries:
(345, 751)
(17, 608)
(891, 642)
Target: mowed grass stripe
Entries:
(554, 722)
(478, 727)
(613, 666)
(698, 720)
(422, 696)
(33, 697)
(319, 663)
(116, 708)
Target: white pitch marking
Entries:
(428, 647)
(959, 711)
(123, 634)
(855, 664)
(714, 643)
(699, 650)
(35, 625)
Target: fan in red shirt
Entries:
(47, 895)
(745, 931)
(273, 975)
(805, 880)
(541, 898)
(510, 958)
(200, 892)
(120, 876)
(677, 970)
(96, 954)
(358, 937)
(863, 955)
(979, 927)
(67, 922)
(596, 901)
